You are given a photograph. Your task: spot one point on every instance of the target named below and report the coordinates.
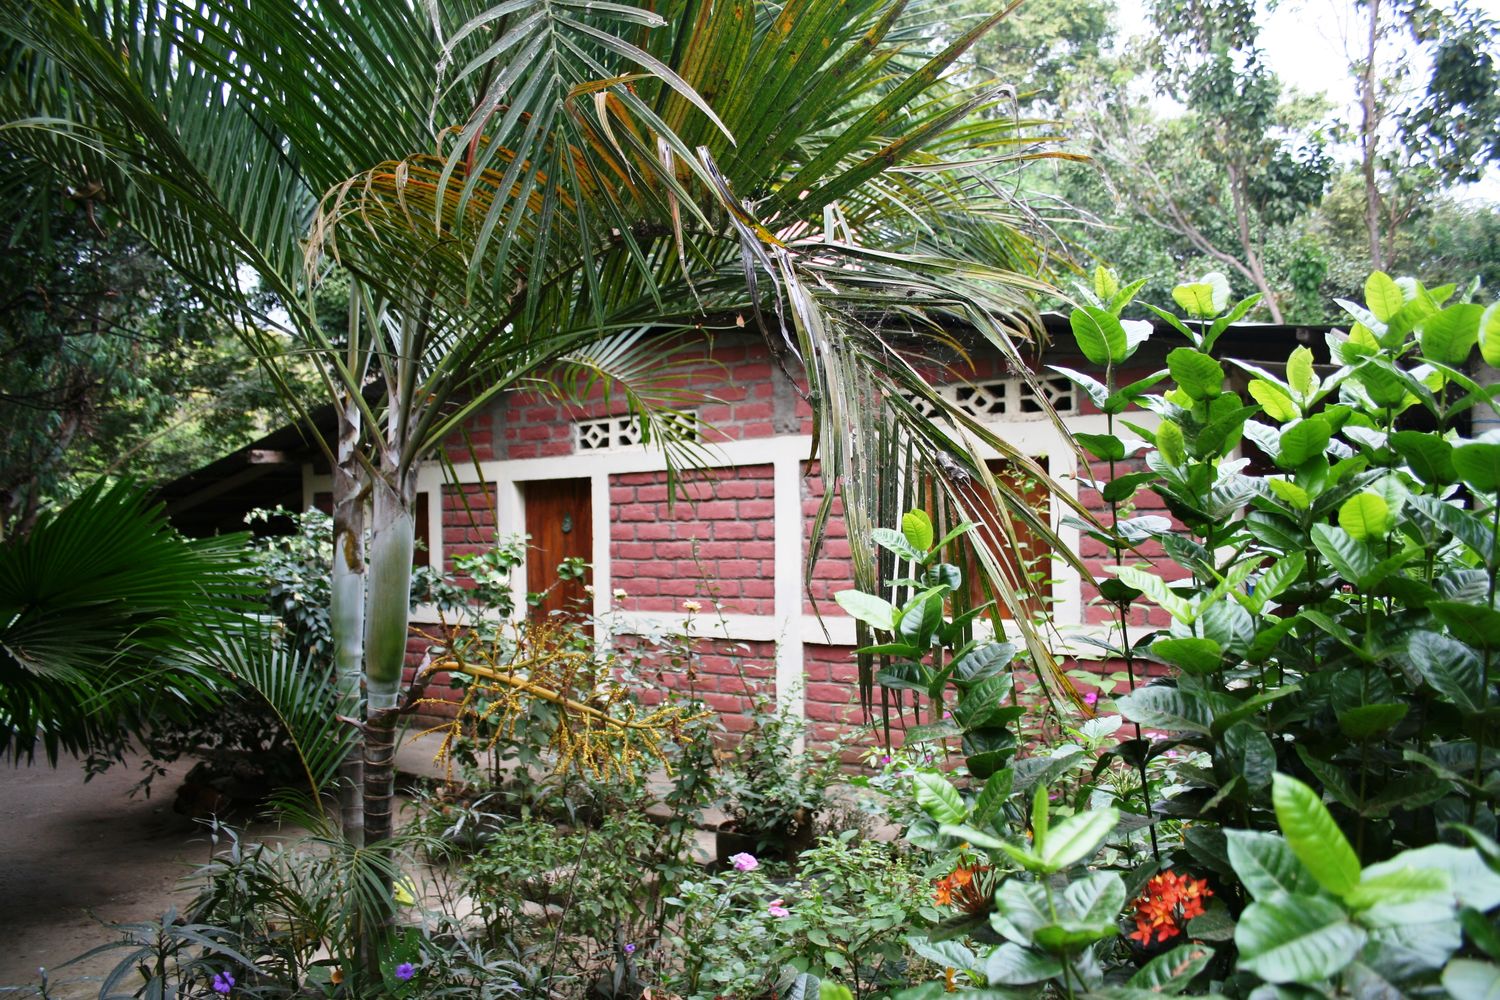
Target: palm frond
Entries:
(302, 696)
(95, 603)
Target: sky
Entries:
(1305, 44)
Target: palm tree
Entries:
(528, 185)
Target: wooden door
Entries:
(559, 519)
(1030, 562)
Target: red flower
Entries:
(961, 887)
(1169, 902)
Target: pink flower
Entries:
(1091, 699)
(777, 910)
(743, 862)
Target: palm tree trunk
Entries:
(392, 539)
(347, 616)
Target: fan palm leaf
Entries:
(96, 603)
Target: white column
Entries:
(788, 563)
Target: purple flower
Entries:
(744, 862)
(630, 949)
(1091, 699)
(223, 982)
(405, 971)
(885, 758)
(777, 910)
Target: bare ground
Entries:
(75, 856)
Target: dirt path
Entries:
(68, 849)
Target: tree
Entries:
(1237, 164)
(1417, 141)
(529, 186)
(107, 356)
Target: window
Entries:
(607, 433)
(1005, 398)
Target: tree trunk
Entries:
(347, 616)
(1369, 127)
(392, 538)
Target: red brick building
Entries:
(580, 484)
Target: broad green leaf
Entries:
(1204, 298)
(1097, 898)
(1427, 454)
(1170, 442)
(992, 797)
(1365, 516)
(1300, 376)
(1096, 390)
(1100, 336)
(1191, 655)
(1489, 335)
(1364, 721)
(1155, 588)
(1280, 575)
(1470, 528)
(1012, 964)
(1290, 492)
(1302, 440)
(1168, 974)
(1266, 865)
(1105, 447)
(1313, 835)
(920, 618)
(1197, 374)
(982, 662)
(868, 608)
(1353, 560)
(1478, 464)
(1166, 708)
(1274, 400)
(1106, 283)
(1471, 880)
(916, 526)
(1383, 296)
(1449, 336)
(939, 799)
(1251, 754)
(973, 837)
(928, 732)
(895, 541)
(1452, 668)
(1469, 979)
(1077, 837)
(1296, 939)
(1398, 885)
(1070, 935)
(1020, 909)
(1471, 623)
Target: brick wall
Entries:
(468, 522)
(714, 544)
(834, 570)
(725, 675)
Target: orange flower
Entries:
(1169, 902)
(961, 887)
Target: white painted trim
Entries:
(787, 527)
(785, 454)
